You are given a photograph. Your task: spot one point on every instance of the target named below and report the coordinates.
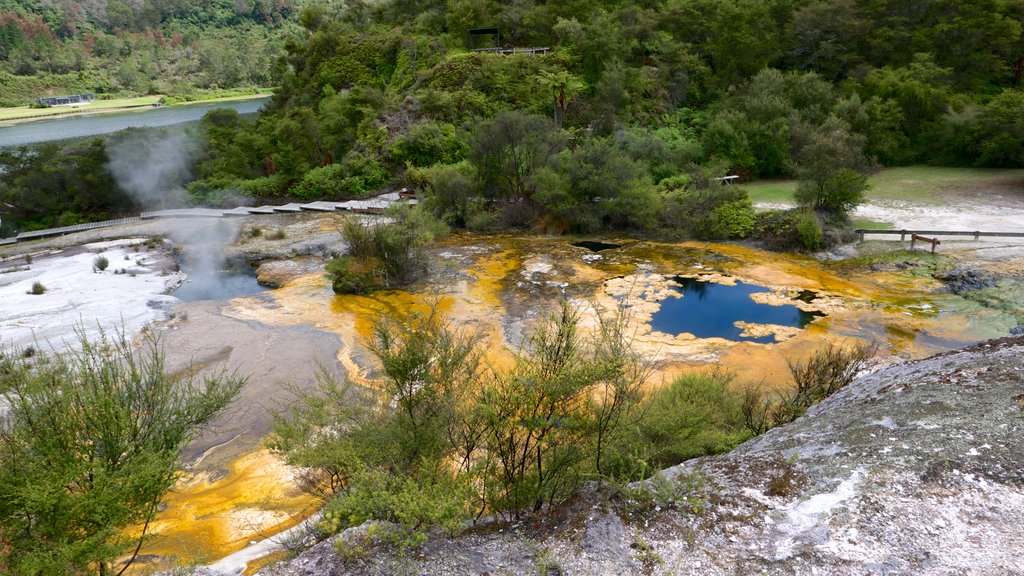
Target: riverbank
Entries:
(23, 114)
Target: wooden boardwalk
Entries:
(375, 205)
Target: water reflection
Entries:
(710, 310)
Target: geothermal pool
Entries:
(498, 286)
(711, 310)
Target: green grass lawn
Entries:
(923, 184)
(26, 112)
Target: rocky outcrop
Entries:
(917, 469)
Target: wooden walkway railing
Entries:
(972, 233)
(539, 50)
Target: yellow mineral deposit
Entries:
(205, 517)
(498, 281)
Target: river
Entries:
(80, 126)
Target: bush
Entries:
(37, 288)
(732, 219)
(449, 191)
(351, 275)
(390, 253)
(415, 502)
(825, 373)
(357, 175)
(427, 144)
(837, 193)
(72, 499)
(696, 415)
(100, 263)
(777, 229)
(808, 228)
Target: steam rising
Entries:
(153, 166)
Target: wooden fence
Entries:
(976, 234)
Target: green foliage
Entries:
(449, 191)
(384, 254)
(37, 288)
(695, 415)
(427, 144)
(100, 263)
(508, 148)
(808, 228)
(832, 169)
(442, 437)
(357, 175)
(413, 503)
(90, 443)
(827, 371)
(59, 184)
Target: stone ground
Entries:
(912, 470)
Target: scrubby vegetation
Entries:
(387, 253)
(827, 371)
(89, 444)
(443, 437)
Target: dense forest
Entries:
(626, 117)
(133, 47)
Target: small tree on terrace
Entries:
(832, 169)
(508, 148)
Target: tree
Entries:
(507, 149)
(564, 87)
(89, 444)
(832, 169)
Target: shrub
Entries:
(255, 231)
(837, 193)
(278, 234)
(73, 499)
(388, 252)
(351, 275)
(356, 175)
(732, 219)
(100, 263)
(37, 288)
(808, 229)
(449, 191)
(697, 414)
(777, 229)
(825, 373)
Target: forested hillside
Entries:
(132, 47)
(628, 115)
(642, 100)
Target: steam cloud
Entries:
(153, 166)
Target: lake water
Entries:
(81, 126)
(709, 310)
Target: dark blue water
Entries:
(708, 310)
(65, 127)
